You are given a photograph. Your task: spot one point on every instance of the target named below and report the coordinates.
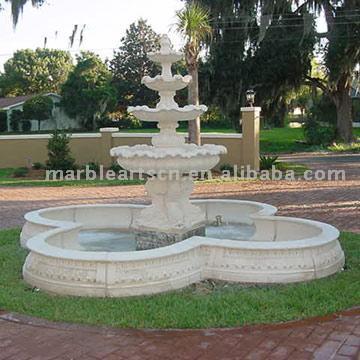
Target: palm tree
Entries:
(17, 7)
(193, 22)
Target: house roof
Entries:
(8, 102)
(11, 101)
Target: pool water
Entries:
(120, 241)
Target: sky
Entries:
(106, 22)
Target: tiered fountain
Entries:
(171, 217)
(91, 250)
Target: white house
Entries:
(59, 118)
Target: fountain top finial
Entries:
(165, 44)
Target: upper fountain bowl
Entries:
(159, 83)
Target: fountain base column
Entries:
(154, 239)
(171, 217)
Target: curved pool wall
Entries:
(282, 250)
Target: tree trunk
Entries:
(193, 98)
(94, 122)
(344, 115)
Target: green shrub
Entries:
(319, 134)
(59, 152)
(16, 117)
(116, 167)
(125, 121)
(3, 121)
(214, 118)
(93, 166)
(38, 166)
(267, 162)
(227, 167)
(26, 125)
(320, 128)
(20, 172)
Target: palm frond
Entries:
(193, 22)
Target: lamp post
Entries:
(250, 97)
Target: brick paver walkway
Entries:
(337, 337)
(335, 202)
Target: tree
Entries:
(131, 63)
(225, 66)
(88, 93)
(193, 23)
(270, 54)
(279, 62)
(38, 108)
(17, 7)
(59, 152)
(341, 54)
(235, 27)
(34, 72)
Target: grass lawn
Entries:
(286, 140)
(10, 181)
(198, 306)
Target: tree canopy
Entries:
(262, 53)
(35, 72)
(38, 108)
(88, 93)
(130, 63)
(339, 48)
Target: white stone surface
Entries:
(281, 257)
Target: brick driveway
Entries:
(337, 337)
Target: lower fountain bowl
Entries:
(188, 158)
(272, 250)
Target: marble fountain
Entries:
(127, 250)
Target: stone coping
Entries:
(116, 134)
(39, 244)
(48, 136)
(213, 135)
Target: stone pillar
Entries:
(106, 145)
(251, 132)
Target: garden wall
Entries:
(24, 150)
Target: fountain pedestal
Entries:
(171, 217)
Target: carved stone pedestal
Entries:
(171, 217)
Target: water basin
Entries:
(122, 240)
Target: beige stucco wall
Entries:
(23, 150)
